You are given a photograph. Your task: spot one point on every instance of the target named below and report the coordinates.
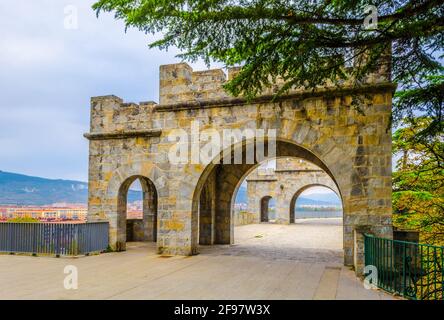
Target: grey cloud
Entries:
(48, 74)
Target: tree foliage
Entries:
(304, 42)
(418, 184)
(23, 219)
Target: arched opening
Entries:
(134, 212)
(131, 224)
(267, 209)
(214, 200)
(316, 202)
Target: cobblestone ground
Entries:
(301, 261)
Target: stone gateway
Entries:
(344, 131)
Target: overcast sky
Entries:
(48, 74)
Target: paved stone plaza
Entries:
(299, 261)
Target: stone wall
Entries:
(324, 127)
(135, 230)
(242, 218)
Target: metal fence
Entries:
(53, 238)
(412, 270)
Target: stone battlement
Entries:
(181, 88)
(179, 83)
(111, 114)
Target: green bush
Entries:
(20, 219)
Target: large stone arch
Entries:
(227, 178)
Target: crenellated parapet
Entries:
(181, 88)
(109, 114)
(179, 83)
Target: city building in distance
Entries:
(67, 213)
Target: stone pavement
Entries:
(301, 261)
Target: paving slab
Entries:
(300, 261)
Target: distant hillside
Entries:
(302, 201)
(20, 189)
(324, 198)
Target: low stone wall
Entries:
(314, 214)
(134, 230)
(243, 217)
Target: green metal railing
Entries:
(412, 270)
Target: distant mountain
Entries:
(19, 189)
(302, 201)
(321, 199)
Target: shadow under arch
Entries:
(149, 221)
(220, 181)
(299, 192)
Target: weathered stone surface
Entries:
(319, 126)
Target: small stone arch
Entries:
(295, 197)
(149, 210)
(141, 168)
(116, 202)
(264, 205)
